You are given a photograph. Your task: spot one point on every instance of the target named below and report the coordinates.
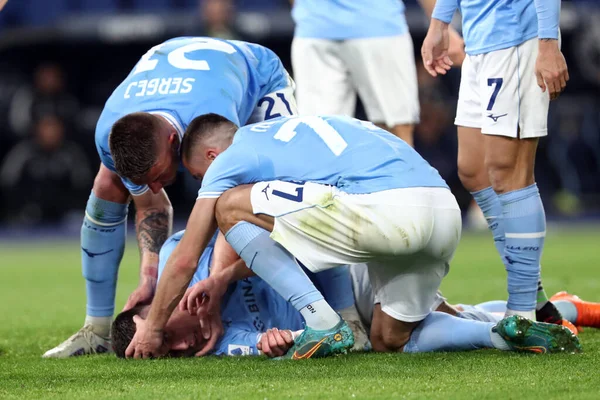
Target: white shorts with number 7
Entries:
(407, 237)
(499, 93)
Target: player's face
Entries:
(164, 171)
(183, 335)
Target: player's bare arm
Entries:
(550, 67)
(203, 299)
(435, 48)
(148, 340)
(154, 223)
(456, 48)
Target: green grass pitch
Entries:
(42, 302)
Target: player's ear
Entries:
(173, 137)
(211, 154)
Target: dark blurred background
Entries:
(61, 59)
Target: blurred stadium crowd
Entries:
(61, 59)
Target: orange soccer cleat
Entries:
(588, 313)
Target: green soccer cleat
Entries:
(312, 343)
(524, 335)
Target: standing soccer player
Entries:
(342, 47)
(143, 122)
(513, 68)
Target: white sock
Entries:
(498, 342)
(526, 314)
(320, 316)
(100, 325)
(350, 313)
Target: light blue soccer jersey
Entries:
(348, 19)
(355, 156)
(249, 307)
(185, 77)
(490, 25)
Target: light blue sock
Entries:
(274, 264)
(491, 207)
(443, 332)
(525, 230)
(103, 236)
(489, 203)
(567, 310)
(493, 306)
(336, 286)
(477, 313)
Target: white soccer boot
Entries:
(84, 341)
(361, 339)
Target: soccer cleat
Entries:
(361, 339)
(549, 314)
(524, 335)
(588, 313)
(84, 341)
(313, 343)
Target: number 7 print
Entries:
(497, 83)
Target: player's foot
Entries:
(524, 335)
(361, 339)
(84, 341)
(312, 343)
(588, 313)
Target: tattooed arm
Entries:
(154, 223)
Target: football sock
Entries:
(479, 314)
(490, 205)
(100, 325)
(525, 229)
(444, 332)
(336, 286)
(567, 309)
(542, 297)
(276, 266)
(103, 235)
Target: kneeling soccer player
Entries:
(327, 191)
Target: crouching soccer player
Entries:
(368, 197)
(143, 122)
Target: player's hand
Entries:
(212, 330)
(435, 49)
(456, 50)
(204, 298)
(142, 294)
(551, 68)
(147, 341)
(275, 343)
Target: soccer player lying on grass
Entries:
(258, 320)
(367, 197)
(250, 307)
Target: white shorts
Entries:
(382, 70)
(276, 104)
(364, 298)
(499, 93)
(407, 237)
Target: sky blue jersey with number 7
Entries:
(185, 77)
(355, 156)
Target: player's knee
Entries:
(389, 342)
(227, 209)
(392, 337)
(471, 175)
(108, 186)
(506, 176)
